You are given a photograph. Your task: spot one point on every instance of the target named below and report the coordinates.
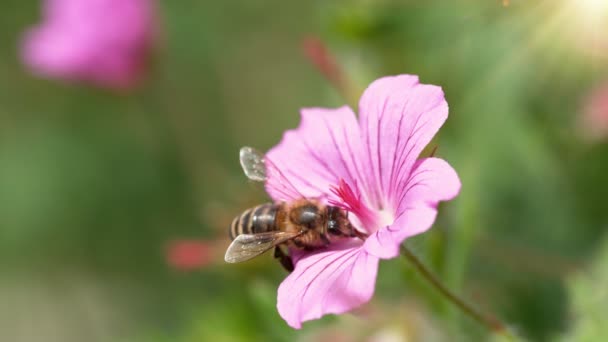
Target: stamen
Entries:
(350, 201)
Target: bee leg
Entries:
(358, 234)
(325, 239)
(284, 259)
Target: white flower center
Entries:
(385, 218)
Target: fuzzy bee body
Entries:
(315, 224)
(255, 220)
(304, 223)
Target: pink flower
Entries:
(370, 167)
(104, 42)
(594, 119)
(319, 55)
(187, 255)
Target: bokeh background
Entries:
(98, 187)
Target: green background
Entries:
(94, 184)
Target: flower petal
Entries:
(398, 118)
(74, 41)
(432, 180)
(329, 281)
(385, 242)
(316, 155)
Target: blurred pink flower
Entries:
(371, 168)
(319, 55)
(594, 119)
(187, 255)
(104, 42)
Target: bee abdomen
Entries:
(254, 220)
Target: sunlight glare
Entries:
(592, 7)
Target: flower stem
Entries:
(491, 322)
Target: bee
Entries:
(305, 223)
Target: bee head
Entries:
(337, 222)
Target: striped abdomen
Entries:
(255, 220)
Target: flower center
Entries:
(384, 218)
(350, 200)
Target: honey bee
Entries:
(306, 223)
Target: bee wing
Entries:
(247, 246)
(259, 169)
(253, 164)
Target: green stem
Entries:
(490, 322)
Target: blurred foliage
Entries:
(589, 297)
(94, 184)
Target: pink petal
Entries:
(432, 180)
(47, 52)
(398, 118)
(187, 255)
(329, 281)
(76, 42)
(316, 155)
(594, 118)
(385, 242)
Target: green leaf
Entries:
(589, 296)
